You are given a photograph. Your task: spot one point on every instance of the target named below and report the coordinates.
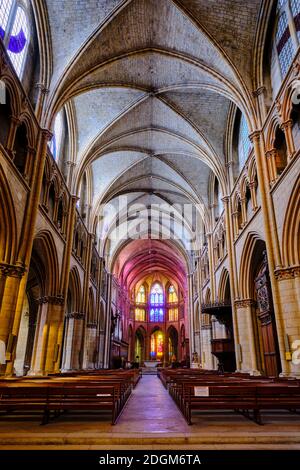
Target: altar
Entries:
(151, 363)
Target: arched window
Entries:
(295, 7)
(244, 145)
(218, 203)
(14, 31)
(56, 140)
(173, 314)
(141, 295)
(156, 303)
(284, 43)
(140, 314)
(157, 296)
(157, 315)
(172, 295)
(286, 39)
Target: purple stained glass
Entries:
(2, 33)
(17, 43)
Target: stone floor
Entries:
(151, 420)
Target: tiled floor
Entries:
(152, 420)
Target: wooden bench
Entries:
(64, 394)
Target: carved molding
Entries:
(75, 315)
(244, 303)
(51, 299)
(9, 270)
(287, 273)
(259, 91)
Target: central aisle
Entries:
(151, 409)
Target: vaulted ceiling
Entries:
(151, 83)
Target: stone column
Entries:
(65, 275)
(85, 300)
(11, 279)
(191, 314)
(287, 129)
(272, 243)
(108, 323)
(232, 274)
(246, 307)
(211, 267)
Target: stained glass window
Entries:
(18, 40)
(157, 345)
(156, 303)
(244, 142)
(140, 314)
(295, 7)
(173, 314)
(157, 296)
(56, 140)
(141, 295)
(172, 295)
(157, 314)
(14, 32)
(5, 8)
(284, 43)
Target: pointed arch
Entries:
(75, 289)
(224, 284)
(8, 222)
(252, 242)
(45, 246)
(291, 229)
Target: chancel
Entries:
(149, 223)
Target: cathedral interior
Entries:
(149, 215)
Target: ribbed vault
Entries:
(151, 83)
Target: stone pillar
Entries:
(42, 94)
(245, 308)
(232, 274)
(271, 239)
(108, 323)
(65, 275)
(211, 267)
(11, 280)
(191, 314)
(85, 299)
(287, 129)
(68, 343)
(77, 353)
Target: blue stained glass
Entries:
(156, 315)
(17, 43)
(244, 142)
(2, 33)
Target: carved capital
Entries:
(47, 135)
(244, 303)
(287, 124)
(225, 199)
(255, 136)
(42, 88)
(51, 299)
(9, 270)
(271, 153)
(75, 315)
(287, 273)
(259, 91)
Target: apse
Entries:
(154, 274)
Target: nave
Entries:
(151, 420)
(149, 217)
